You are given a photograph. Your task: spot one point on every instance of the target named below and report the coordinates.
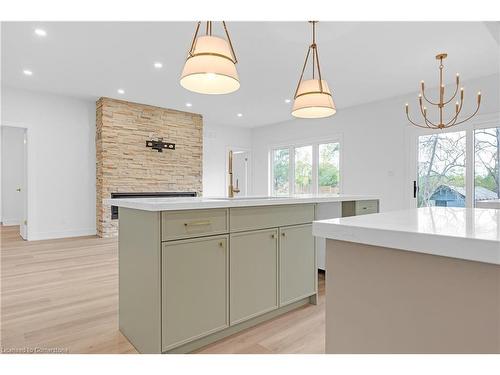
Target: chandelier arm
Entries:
(420, 126)
(471, 116)
(302, 74)
(193, 43)
(427, 100)
(457, 113)
(428, 122)
(230, 43)
(454, 94)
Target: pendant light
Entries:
(210, 67)
(313, 98)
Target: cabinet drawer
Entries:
(250, 218)
(193, 223)
(194, 289)
(366, 207)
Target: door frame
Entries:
(487, 120)
(24, 230)
(249, 166)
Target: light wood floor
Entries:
(62, 295)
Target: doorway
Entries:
(241, 170)
(14, 145)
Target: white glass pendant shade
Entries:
(312, 102)
(211, 67)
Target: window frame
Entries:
(485, 121)
(291, 146)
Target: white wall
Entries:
(61, 161)
(375, 149)
(12, 175)
(216, 142)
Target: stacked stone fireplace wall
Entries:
(124, 164)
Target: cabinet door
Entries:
(194, 289)
(253, 274)
(297, 263)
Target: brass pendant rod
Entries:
(193, 43)
(229, 41)
(302, 73)
(319, 70)
(314, 61)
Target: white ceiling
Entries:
(362, 61)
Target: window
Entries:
(281, 171)
(441, 169)
(329, 168)
(306, 169)
(303, 170)
(486, 164)
(458, 168)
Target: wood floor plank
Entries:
(63, 294)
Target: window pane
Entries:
(441, 170)
(328, 172)
(281, 163)
(303, 170)
(486, 164)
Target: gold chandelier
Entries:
(442, 102)
(210, 67)
(313, 98)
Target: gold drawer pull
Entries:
(197, 223)
(221, 244)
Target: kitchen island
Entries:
(422, 280)
(195, 270)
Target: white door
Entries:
(14, 195)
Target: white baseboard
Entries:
(60, 234)
(11, 222)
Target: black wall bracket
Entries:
(159, 145)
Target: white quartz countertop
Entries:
(169, 204)
(463, 233)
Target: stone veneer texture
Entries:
(124, 164)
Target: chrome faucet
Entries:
(231, 188)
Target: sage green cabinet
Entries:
(253, 274)
(297, 263)
(194, 289)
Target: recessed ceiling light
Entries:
(158, 65)
(121, 91)
(189, 104)
(287, 100)
(240, 115)
(40, 32)
(27, 72)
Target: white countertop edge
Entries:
(474, 249)
(172, 204)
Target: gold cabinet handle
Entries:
(283, 234)
(197, 223)
(273, 236)
(18, 189)
(221, 244)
